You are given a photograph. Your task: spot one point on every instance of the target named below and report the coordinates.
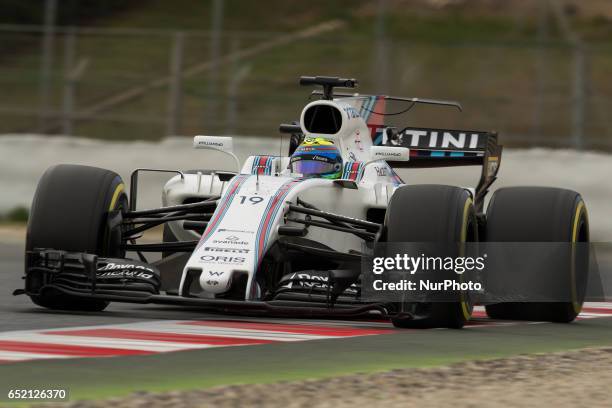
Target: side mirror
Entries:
(389, 153)
(223, 144)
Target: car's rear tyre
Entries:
(432, 213)
(540, 214)
(70, 211)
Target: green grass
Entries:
(15, 215)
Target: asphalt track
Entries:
(19, 313)
(325, 355)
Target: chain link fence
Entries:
(148, 84)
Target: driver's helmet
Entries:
(317, 157)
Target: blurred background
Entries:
(537, 71)
(97, 74)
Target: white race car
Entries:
(287, 235)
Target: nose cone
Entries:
(215, 281)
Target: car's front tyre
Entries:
(70, 211)
(438, 214)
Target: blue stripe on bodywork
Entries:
(222, 208)
(274, 205)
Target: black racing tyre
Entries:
(432, 213)
(70, 211)
(540, 214)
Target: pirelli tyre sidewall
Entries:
(432, 213)
(540, 214)
(70, 211)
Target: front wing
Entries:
(126, 280)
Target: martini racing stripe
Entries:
(375, 123)
(222, 208)
(262, 165)
(274, 205)
(366, 107)
(353, 171)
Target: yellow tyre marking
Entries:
(466, 210)
(575, 303)
(118, 190)
(465, 307)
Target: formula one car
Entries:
(285, 235)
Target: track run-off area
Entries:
(134, 347)
(162, 336)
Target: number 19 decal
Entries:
(253, 200)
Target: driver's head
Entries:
(317, 157)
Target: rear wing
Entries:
(446, 147)
(441, 147)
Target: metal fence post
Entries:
(175, 97)
(215, 48)
(541, 68)
(579, 96)
(578, 99)
(46, 63)
(69, 83)
(239, 73)
(381, 60)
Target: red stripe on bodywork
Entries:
(354, 172)
(261, 168)
(275, 203)
(221, 209)
(290, 328)
(161, 336)
(68, 350)
(375, 121)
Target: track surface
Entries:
(164, 336)
(18, 312)
(265, 350)
(32, 333)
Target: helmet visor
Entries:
(314, 167)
